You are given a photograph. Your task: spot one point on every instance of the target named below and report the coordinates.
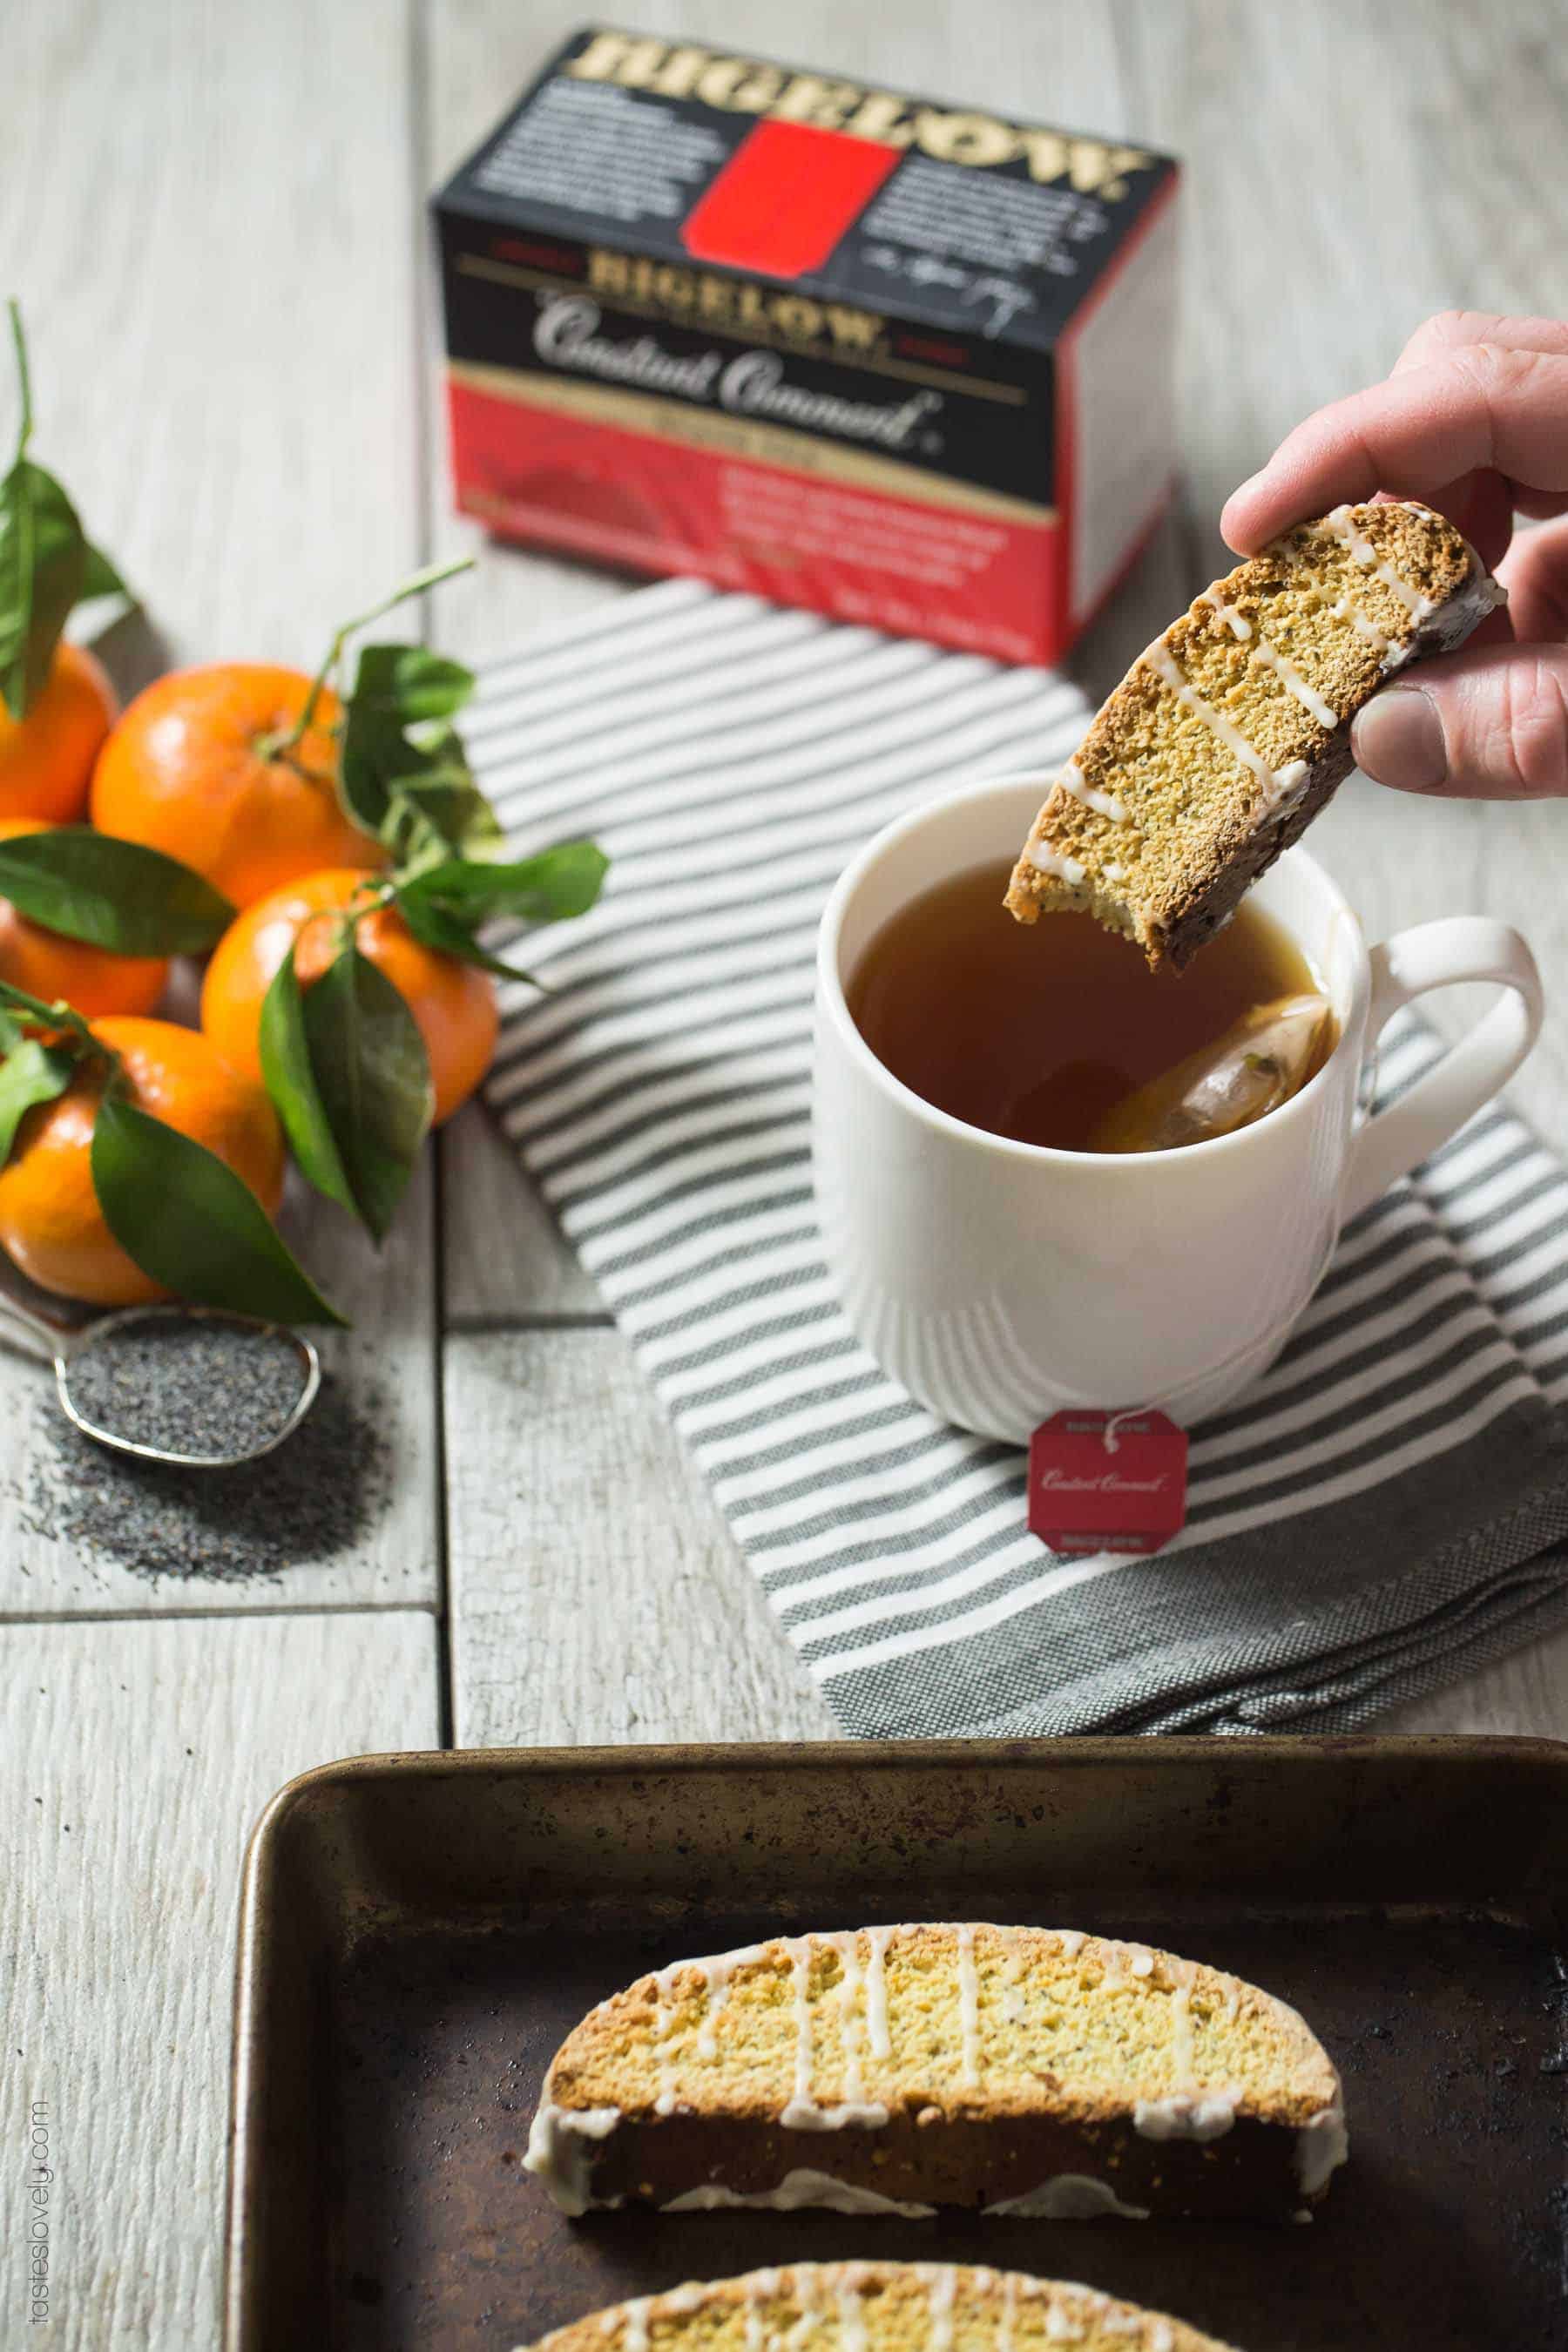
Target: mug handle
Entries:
(1438, 955)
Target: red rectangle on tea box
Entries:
(785, 197)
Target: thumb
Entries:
(1489, 726)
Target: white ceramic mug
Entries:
(999, 1281)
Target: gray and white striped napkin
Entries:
(1387, 1510)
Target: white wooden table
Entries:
(215, 218)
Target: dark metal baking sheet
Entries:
(418, 1933)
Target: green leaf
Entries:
(43, 557)
(31, 1073)
(549, 888)
(100, 578)
(394, 687)
(411, 683)
(112, 894)
(191, 1223)
(373, 1076)
(404, 774)
(292, 1083)
(432, 924)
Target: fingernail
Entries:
(1398, 741)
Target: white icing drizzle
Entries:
(1017, 1962)
(1237, 623)
(801, 2187)
(1066, 2197)
(760, 2287)
(1271, 657)
(718, 1974)
(803, 2113)
(852, 2335)
(799, 1950)
(634, 2336)
(1007, 2326)
(1061, 2325)
(1340, 526)
(1322, 2147)
(1161, 2336)
(1367, 630)
(1164, 664)
(557, 2156)
(805, 2282)
(1290, 677)
(1072, 780)
(1187, 2114)
(942, 2288)
(664, 2026)
(1055, 861)
(848, 1947)
(1141, 1964)
(1114, 873)
(969, 2007)
(1182, 2056)
(877, 2034)
(1072, 1941)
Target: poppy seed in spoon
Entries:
(188, 1386)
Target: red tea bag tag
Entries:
(1107, 1481)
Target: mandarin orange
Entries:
(46, 757)
(92, 981)
(453, 1003)
(189, 770)
(50, 1223)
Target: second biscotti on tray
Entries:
(878, 2308)
(1024, 2071)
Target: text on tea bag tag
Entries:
(1107, 1481)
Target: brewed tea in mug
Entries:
(1041, 1031)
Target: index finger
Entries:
(1478, 407)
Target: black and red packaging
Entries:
(903, 362)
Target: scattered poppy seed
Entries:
(318, 1496)
(188, 1385)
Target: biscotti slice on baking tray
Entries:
(1230, 733)
(1030, 2071)
(878, 2308)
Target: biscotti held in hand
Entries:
(1028, 2071)
(1233, 730)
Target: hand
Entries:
(1474, 421)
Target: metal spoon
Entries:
(66, 1343)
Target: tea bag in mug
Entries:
(1261, 1060)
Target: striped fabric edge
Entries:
(661, 1097)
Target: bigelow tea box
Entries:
(907, 363)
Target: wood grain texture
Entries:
(139, 1757)
(506, 1260)
(212, 229)
(597, 1593)
(1527, 1693)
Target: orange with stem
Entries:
(453, 1004)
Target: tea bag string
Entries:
(1128, 1412)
